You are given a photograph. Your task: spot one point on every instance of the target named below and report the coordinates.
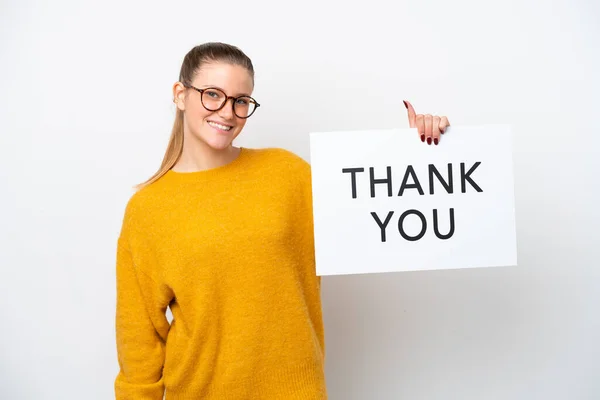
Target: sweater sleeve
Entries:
(141, 331)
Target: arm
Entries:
(141, 331)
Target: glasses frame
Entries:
(201, 91)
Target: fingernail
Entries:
(435, 141)
(422, 138)
(405, 105)
(429, 140)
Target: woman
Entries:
(224, 237)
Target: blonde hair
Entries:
(192, 62)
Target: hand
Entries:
(430, 127)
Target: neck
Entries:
(198, 156)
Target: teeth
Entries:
(223, 127)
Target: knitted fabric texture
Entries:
(231, 251)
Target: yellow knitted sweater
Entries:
(231, 251)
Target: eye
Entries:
(213, 94)
(242, 102)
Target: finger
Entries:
(428, 126)
(420, 125)
(435, 129)
(412, 116)
(444, 123)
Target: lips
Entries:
(220, 126)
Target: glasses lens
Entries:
(244, 107)
(213, 99)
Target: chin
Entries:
(218, 143)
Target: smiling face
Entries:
(215, 129)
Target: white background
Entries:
(85, 113)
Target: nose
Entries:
(226, 112)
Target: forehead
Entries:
(233, 79)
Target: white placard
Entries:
(374, 210)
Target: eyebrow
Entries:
(224, 91)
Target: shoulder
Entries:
(283, 159)
(142, 198)
(291, 171)
(139, 206)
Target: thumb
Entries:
(412, 116)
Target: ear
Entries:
(179, 95)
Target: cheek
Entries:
(240, 123)
(198, 119)
(201, 113)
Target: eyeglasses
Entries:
(214, 99)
